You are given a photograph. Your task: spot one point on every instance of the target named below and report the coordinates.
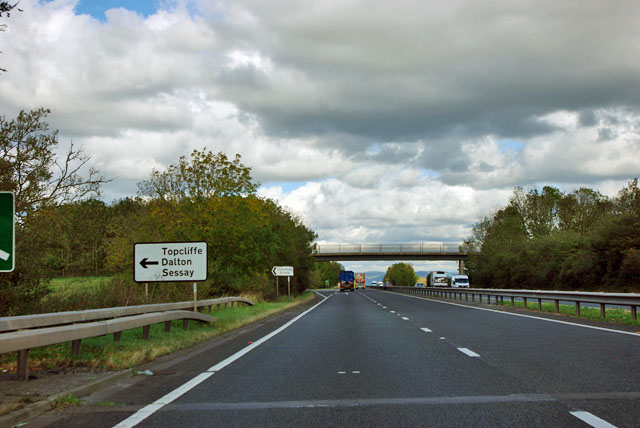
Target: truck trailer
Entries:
(347, 280)
(360, 280)
(437, 278)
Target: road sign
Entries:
(282, 271)
(169, 261)
(7, 232)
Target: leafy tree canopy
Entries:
(401, 274)
(205, 175)
(29, 168)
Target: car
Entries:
(419, 284)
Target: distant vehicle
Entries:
(347, 280)
(419, 284)
(460, 281)
(374, 283)
(360, 280)
(437, 278)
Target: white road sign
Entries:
(170, 261)
(282, 271)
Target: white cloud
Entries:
(394, 114)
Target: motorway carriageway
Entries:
(373, 358)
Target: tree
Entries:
(28, 166)
(211, 198)
(329, 271)
(6, 8)
(549, 240)
(401, 274)
(205, 175)
(5, 11)
(40, 182)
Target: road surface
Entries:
(378, 359)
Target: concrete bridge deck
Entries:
(355, 252)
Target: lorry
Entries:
(459, 281)
(360, 282)
(437, 278)
(347, 280)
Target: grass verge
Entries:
(103, 353)
(613, 315)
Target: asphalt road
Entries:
(372, 358)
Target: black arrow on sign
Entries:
(144, 263)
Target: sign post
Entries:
(171, 262)
(7, 232)
(195, 297)
(287, 271)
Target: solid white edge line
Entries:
(426, 330)
(522, 315)
(468, 352)
(591, 419)
(148, 410)
(222, 364)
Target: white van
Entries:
(460, 281)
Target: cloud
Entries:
(406, 120)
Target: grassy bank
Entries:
(613, 315)
(104, 353)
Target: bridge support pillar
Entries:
(461, 267)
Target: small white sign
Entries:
(170, 261)
(282, 271)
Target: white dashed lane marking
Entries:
(592, 420)
(468, 352)
(405, 318)
(426, 330)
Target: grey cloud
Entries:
(410, 71)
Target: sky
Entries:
(373, 121)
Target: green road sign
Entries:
(7, 232)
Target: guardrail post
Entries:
(23, 364)
(524, 300)
(502, 300)
(577, 308)
(116, 336)
(602, 311)
(185, 324)
(634, 313)
(145, 332)
(539, 304)
(513, 301)
(75, 346)
(167, 326)
(557, 302)
(473, 297)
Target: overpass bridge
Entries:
(362, 252)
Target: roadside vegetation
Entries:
(613, 315)
(401, 275)
(132, 350)
(547, 239)
(64, 231)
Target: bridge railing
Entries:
(387, 248)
